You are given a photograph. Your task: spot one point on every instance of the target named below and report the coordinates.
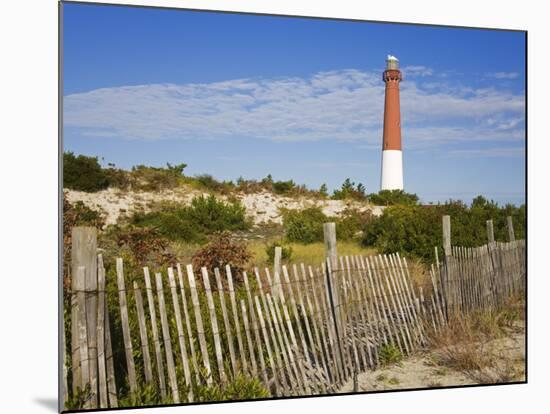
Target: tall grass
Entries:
(309, 254)
(476, 345)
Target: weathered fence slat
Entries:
(268, 347)
(167, 340)
(314, 321)
(214, 324)
(143, 334)
(247, 328)
(181, 335)
(233, 301)
(126, 326)
(253, 318)
(304, 349)
(226, 324)
(154, 331)
(101, 367)
(200, 326)
(65, 391)
(82, 330)
(111, 382)
(190, 335)
(321, 319)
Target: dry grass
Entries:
(479, 345)
(309, 254)
(419, 275)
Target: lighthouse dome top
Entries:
(392, 62)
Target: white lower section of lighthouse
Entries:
(392, 170)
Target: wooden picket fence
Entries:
(300, 330)
(482, 278)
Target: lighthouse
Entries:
(392, 155)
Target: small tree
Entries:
(83, 173)
(348, 190)
(176, 169)
(222, 251)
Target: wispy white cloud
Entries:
(417, 71)
(343, 105)
(503, 75)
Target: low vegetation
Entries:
(306, 226)
(222, 251)
(415, 229)
(350, 191)
(393, 197)
(286, 251)
(83, 173)
(309, 254)
(475, 344)
(203, 217)
(389, 355)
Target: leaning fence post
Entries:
(447, 235)
(329, 231)
(277, 272)
(492, 252)
(510, 225)
(83, 254)
(490, 232)
(445, 276)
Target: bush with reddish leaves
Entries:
(222, 251)
(145, 245)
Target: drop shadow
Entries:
(49, 403)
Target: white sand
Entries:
(420, 371)
(263, 207)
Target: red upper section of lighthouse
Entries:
(392, 112)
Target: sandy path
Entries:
(422, 371)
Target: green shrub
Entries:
(155, 178)
(212, 215)
(351, 223)
(205, 215)
(350, 191)
(415, 229)
(283, 187)
(118, 178)
(286, 251)
(389, 354)
(208, 182)
(83, 173)
(304, 226)
(393, 197)
(239, 389)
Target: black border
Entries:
(60, 203)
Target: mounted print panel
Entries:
(262, 206)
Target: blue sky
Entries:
(242, 95)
